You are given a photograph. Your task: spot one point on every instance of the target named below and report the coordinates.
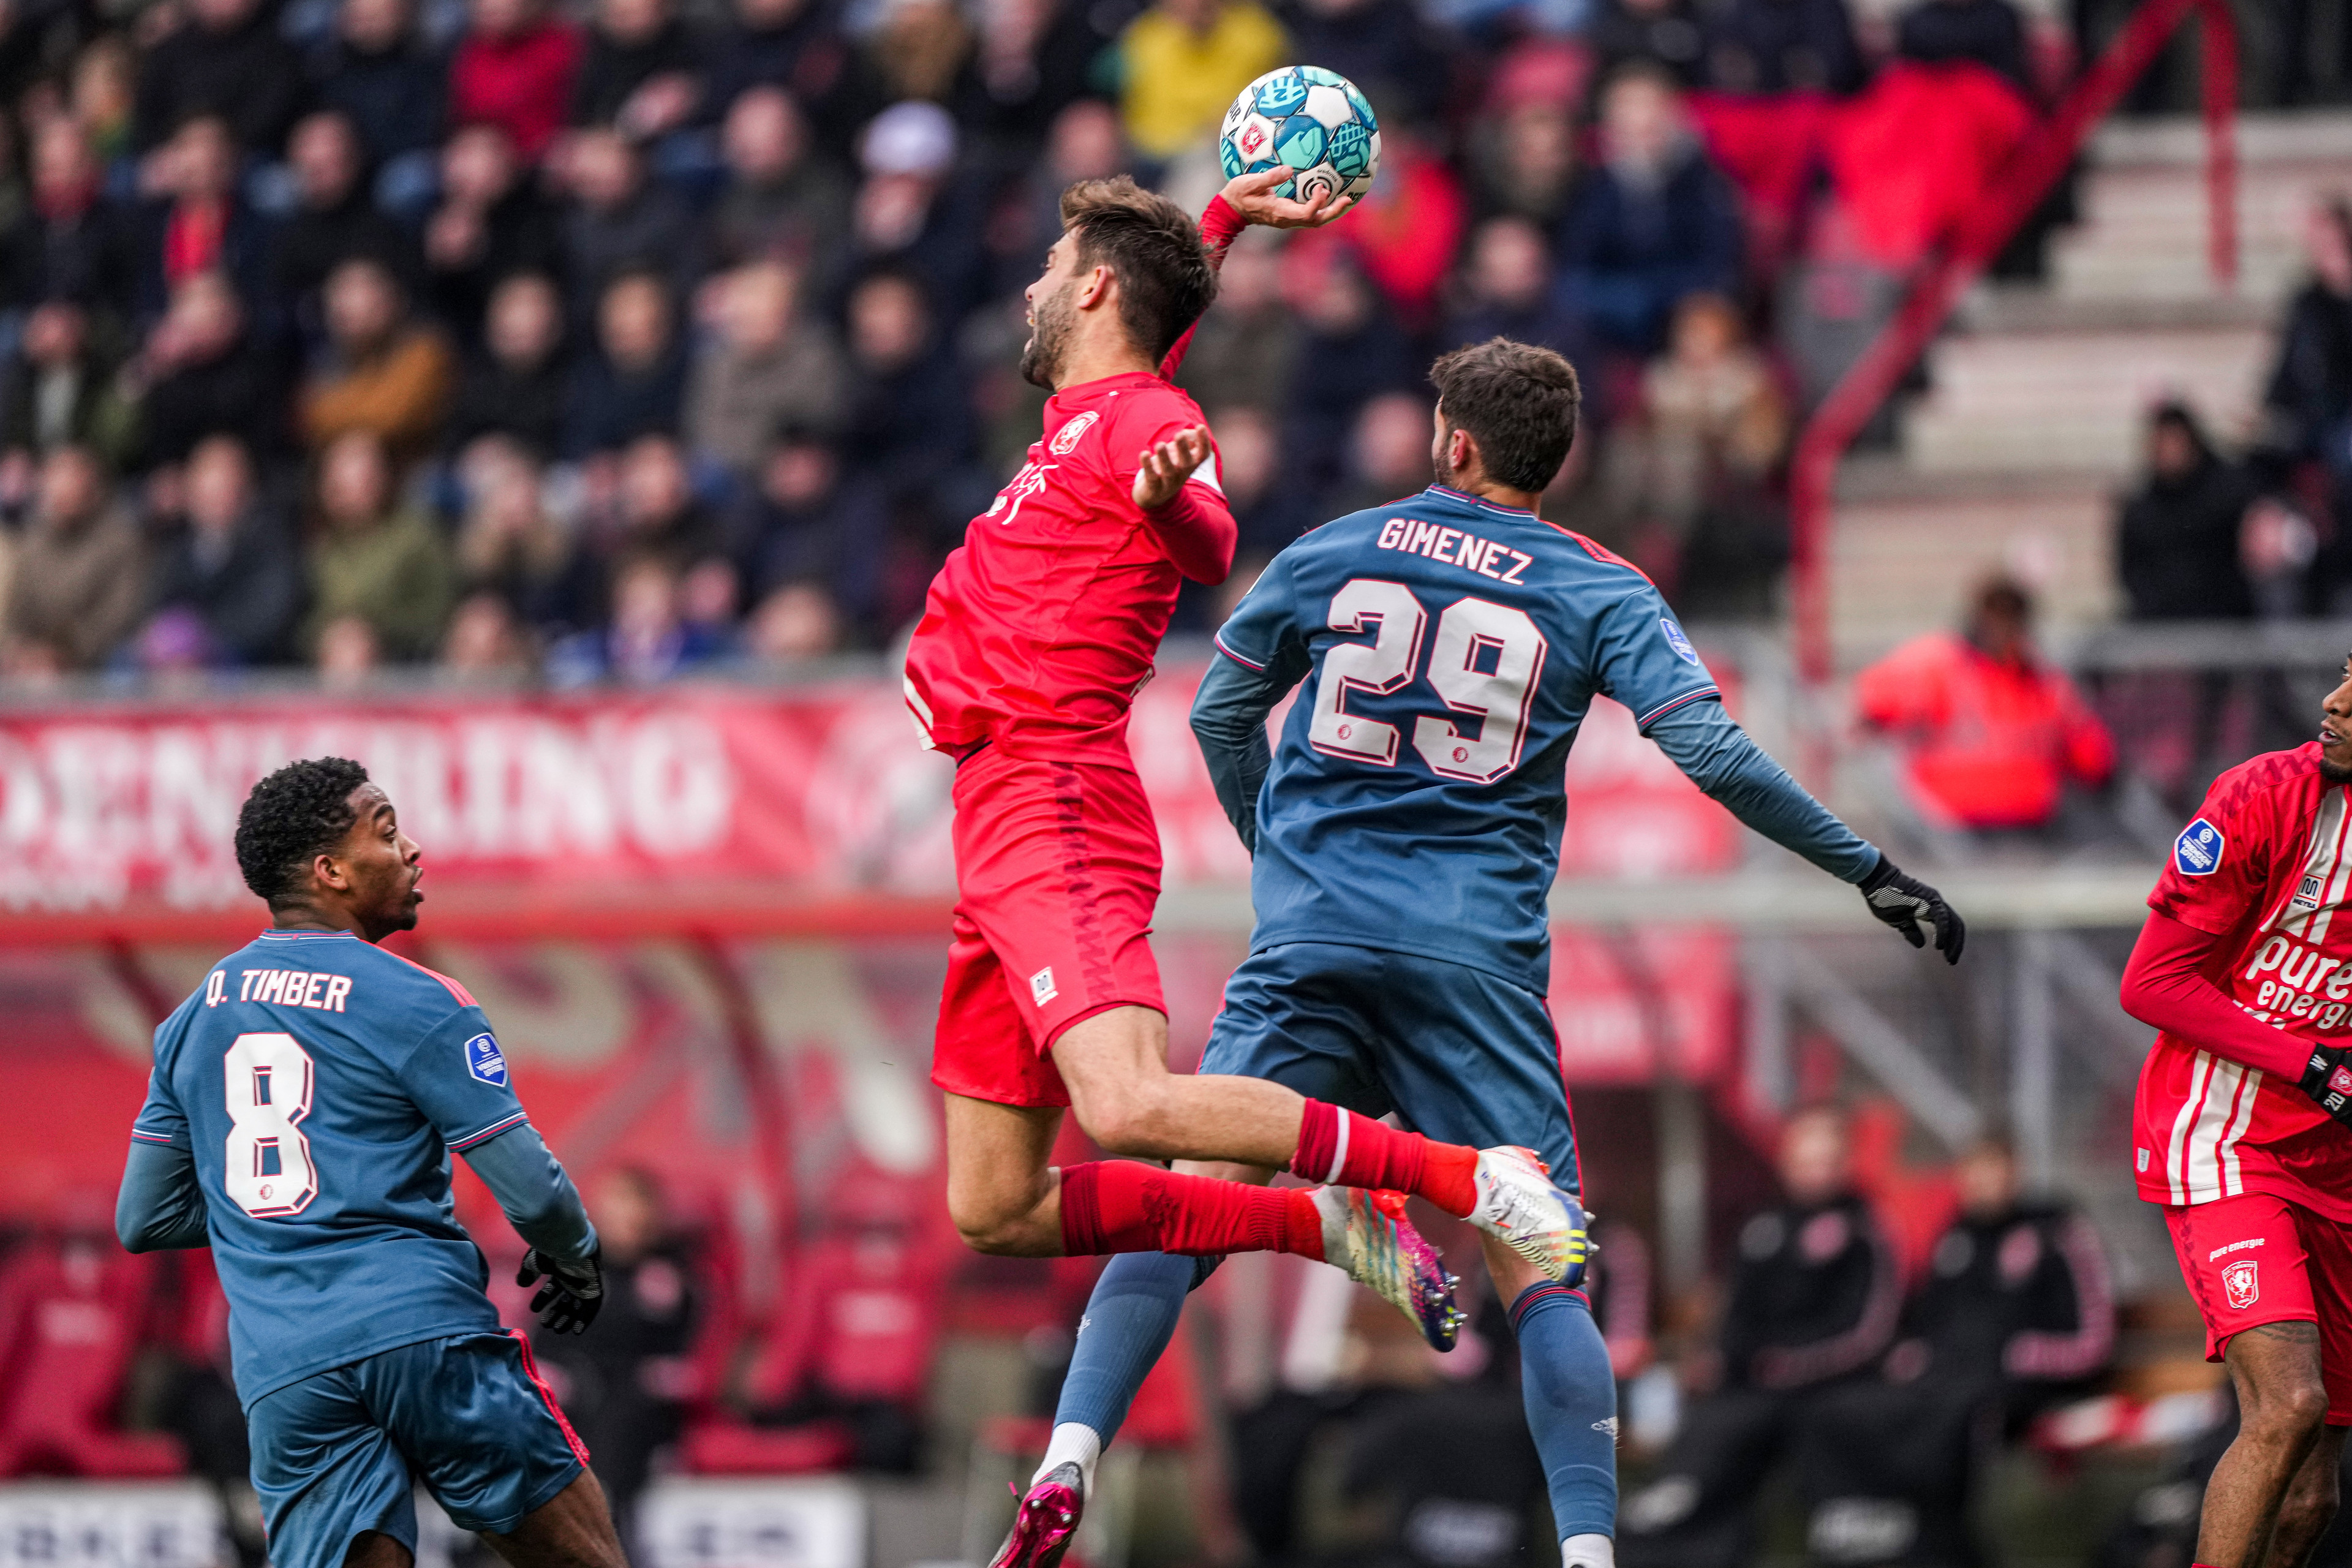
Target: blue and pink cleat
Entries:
(1367, 1237)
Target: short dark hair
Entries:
(2004, 596)
(295, 814)
(1153, 247)
(1519, 402)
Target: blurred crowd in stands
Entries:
(2226, 530)
(603, 341)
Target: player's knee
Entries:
(1122, 1119)
(2289, 1408)
(985, 1223)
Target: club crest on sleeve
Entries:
(1069, 435)
(484, 1061)
(1678, 642)
(2198, 851)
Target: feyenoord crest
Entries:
(2244, 1282)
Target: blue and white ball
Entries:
(1309, 119)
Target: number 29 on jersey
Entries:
(1483, 667)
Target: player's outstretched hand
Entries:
(1914, 909)
(2328, 1081)
(574, 1294)
(1160, 473)
(1252, 196)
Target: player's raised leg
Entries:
(1005, 1199)
(1116, 1065)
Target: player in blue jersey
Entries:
(1404, 844)
(304, 1104)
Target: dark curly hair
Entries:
(294, 815)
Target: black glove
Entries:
(573, 1293)
(2328, 1081)
(1909, 905)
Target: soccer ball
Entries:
(1311, 119)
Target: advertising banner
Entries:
(615, 802)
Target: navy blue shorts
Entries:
(1460, 1054)
(331, 1454)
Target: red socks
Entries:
(1346, 1150)
(1120, 1206)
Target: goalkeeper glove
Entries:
(2328, 1081)
(1912, 907)
(573, 1293)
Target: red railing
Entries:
(2020, 188)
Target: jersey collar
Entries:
(274, 934)
(1447, 492)
(1118, 382)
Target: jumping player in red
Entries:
(1036, 634)
(2243, 967)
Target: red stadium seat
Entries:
(69, 1318)
(864, 1309)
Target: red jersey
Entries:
(2265, 867)
(1039, 630)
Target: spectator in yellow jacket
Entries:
(1182, 62)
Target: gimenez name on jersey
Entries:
(1455, 547)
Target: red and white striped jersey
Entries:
(2266, 866)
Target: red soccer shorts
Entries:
(2254, 1260)
(1058, 870)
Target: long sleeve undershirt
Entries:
(1198, 532)
(2165, 986)
(161, 1205)
(537, 1198)
(1221, 225)
(160, 1208)
(1229, 721)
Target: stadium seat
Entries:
(857, 1332)
(70, 1314)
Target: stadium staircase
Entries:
(2036, 392)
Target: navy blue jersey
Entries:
(1450, 650)
(321, 1083)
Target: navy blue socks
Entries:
(1129, 1319)
(1571, 1399)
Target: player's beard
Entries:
(1049, 339)
(1439, 466)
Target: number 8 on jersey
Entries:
(268, 1173)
